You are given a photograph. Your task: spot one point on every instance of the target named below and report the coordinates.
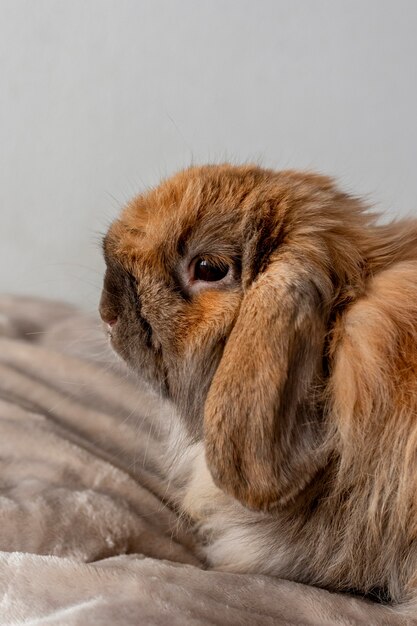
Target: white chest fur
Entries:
(232, 538)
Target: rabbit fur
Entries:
(294, 375)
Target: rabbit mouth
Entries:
(131, 342)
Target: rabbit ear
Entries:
(262, 428)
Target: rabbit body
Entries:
(280, 319)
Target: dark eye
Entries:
(208, 271)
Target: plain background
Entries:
(100, 98)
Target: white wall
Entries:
(99, 98)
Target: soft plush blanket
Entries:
(88, 534)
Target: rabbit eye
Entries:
(208, 271)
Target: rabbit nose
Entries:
(108, 317)
(107, 311)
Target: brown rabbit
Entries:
(281, 321)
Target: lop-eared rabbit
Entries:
(280, 318)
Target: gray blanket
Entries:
(88, 534)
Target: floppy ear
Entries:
(261, 422)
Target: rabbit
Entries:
(279, 317)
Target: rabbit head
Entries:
(221, 289)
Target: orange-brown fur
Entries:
(296, 385)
